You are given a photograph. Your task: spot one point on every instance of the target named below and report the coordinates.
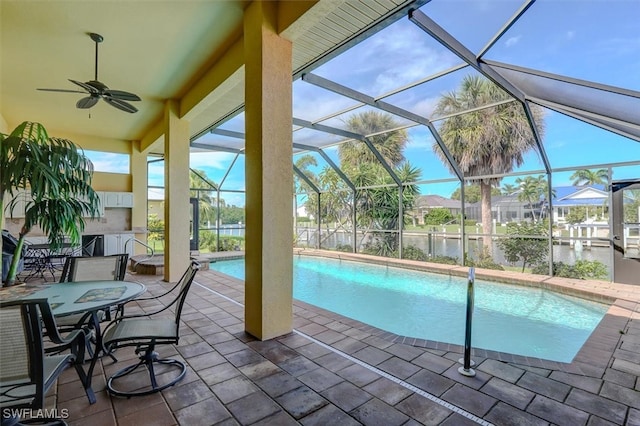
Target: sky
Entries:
(595, 40)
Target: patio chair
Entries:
(145, 332)
(26, 373)
(80, 268)
(92, 268)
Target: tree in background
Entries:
(438, 216)
(631, 207)
(485, 141)
(472, 193)
(577, 214)
(509, 189)
(377, 202)
(524, 242)
(533, 191)
(230, 215)
(155, 229)
(303, 163)
(205, 190)
(390, 145)
(585, 177)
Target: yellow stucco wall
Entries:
(117, 182)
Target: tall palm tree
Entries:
(58, 176)
(485, 141)
(585, 177)
(377, 208)
(390, 145)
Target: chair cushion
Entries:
(53, 365)
(162, 330)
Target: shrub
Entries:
(483, 260)
(231, 243)
(438, 216)
(582, 269)
(448, 260)
(346, 248)
(412, 252)
(207, 239)
(517, 245)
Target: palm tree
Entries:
(302, 163)
(585, 177)
(201, 188)
(377, 208)
(532, 190)
(390, 145)
(485, 141)
(58, 176)
(508, 189)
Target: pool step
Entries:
(144, 265)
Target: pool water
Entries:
(507, 318)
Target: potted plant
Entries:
(58, 175)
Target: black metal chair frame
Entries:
(145, 332)
(43, 370)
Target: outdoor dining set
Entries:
(48, 327)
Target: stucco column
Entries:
(139, 179)
(176, 193)
(269, 175)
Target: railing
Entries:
(466, 361)
(149, 250)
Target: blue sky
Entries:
(596, 40)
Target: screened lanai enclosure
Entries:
(498, 134)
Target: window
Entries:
(109, 162)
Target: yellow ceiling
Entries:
(151, 48)
(190, 51)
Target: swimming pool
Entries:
(507, 318)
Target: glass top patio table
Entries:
(78, 297)
(69, 298)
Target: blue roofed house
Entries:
(595, 197)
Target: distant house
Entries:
(504, 209)
(425, 203)
(507, 208)
(568, 197)
(155, 199)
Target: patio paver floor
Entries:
(333, 370)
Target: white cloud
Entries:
(425, 107)
(570, 34)
(512, 41)
(388, 60)
(108, 162)
(215, 160)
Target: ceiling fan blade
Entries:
(122, 95)
(85, 86)
(122, 105)
(61, 90)
(87, 102)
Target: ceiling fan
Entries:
(98, 90)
